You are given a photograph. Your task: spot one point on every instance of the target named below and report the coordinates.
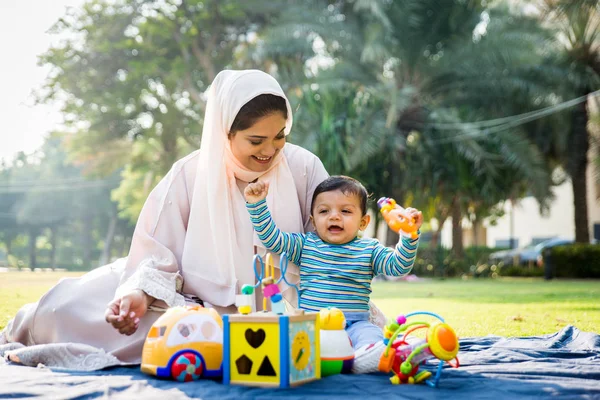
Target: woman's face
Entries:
(256, 147)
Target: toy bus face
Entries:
(185, 343)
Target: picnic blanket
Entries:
(565, 364)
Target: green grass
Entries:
(505, 307)
(19, 288)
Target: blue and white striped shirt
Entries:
(333, 275)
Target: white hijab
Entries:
(219, 225)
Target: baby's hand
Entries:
(256, 192)
(416, 215)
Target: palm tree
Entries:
(578, 25)
(396, 53)
(532, 62)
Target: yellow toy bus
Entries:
(186, 343)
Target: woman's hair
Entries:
(257, 108)
(345, 184)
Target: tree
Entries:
(399, 54)
(578, 24)
(132, 74)
(544, 66)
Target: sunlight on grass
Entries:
(19, 288)
(505, 307)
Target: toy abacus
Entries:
(270, 288)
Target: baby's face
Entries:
(337, 217)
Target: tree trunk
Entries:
(53, 241)
(8, 244)
(577, 164)
(108, 240)
(457, 233)
(377, 219)
(33, 234)
(435, 236)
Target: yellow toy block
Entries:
(270, 350)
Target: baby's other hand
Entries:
(416, 215)
(256, 192)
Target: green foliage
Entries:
(576, 261)
(46, 200)
(381, 91)
(521, 271)
(439, 262)
(134, 72)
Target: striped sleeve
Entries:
(272, 237)
(395, 262)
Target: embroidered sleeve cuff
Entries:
(161, 285)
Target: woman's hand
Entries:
(256, 192)
(124, 313)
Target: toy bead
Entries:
(267, 281)
(276, 298)
(387, 333)
(278, 307)
(270, 290)
(401, 319)
(244, 303)
(406, 368)
(393, 326)
(247, 289)
(245, 309)
(395, 380)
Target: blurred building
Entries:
(529, 226)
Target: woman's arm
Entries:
(152, 268)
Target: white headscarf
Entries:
(219, 224)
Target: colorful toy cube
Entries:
(269, 350)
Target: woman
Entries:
(193, 239)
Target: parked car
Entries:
(528, 254)
(507, 257)
(533, 255)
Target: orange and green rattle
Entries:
(397, 218)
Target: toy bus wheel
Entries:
(187, 367)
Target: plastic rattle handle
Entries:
(386, 362)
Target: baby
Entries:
(336, 266)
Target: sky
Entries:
(24, 35)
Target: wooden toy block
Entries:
(269, 350)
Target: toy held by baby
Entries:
(397, 218)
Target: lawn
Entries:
(18, 288)
(505, 307)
